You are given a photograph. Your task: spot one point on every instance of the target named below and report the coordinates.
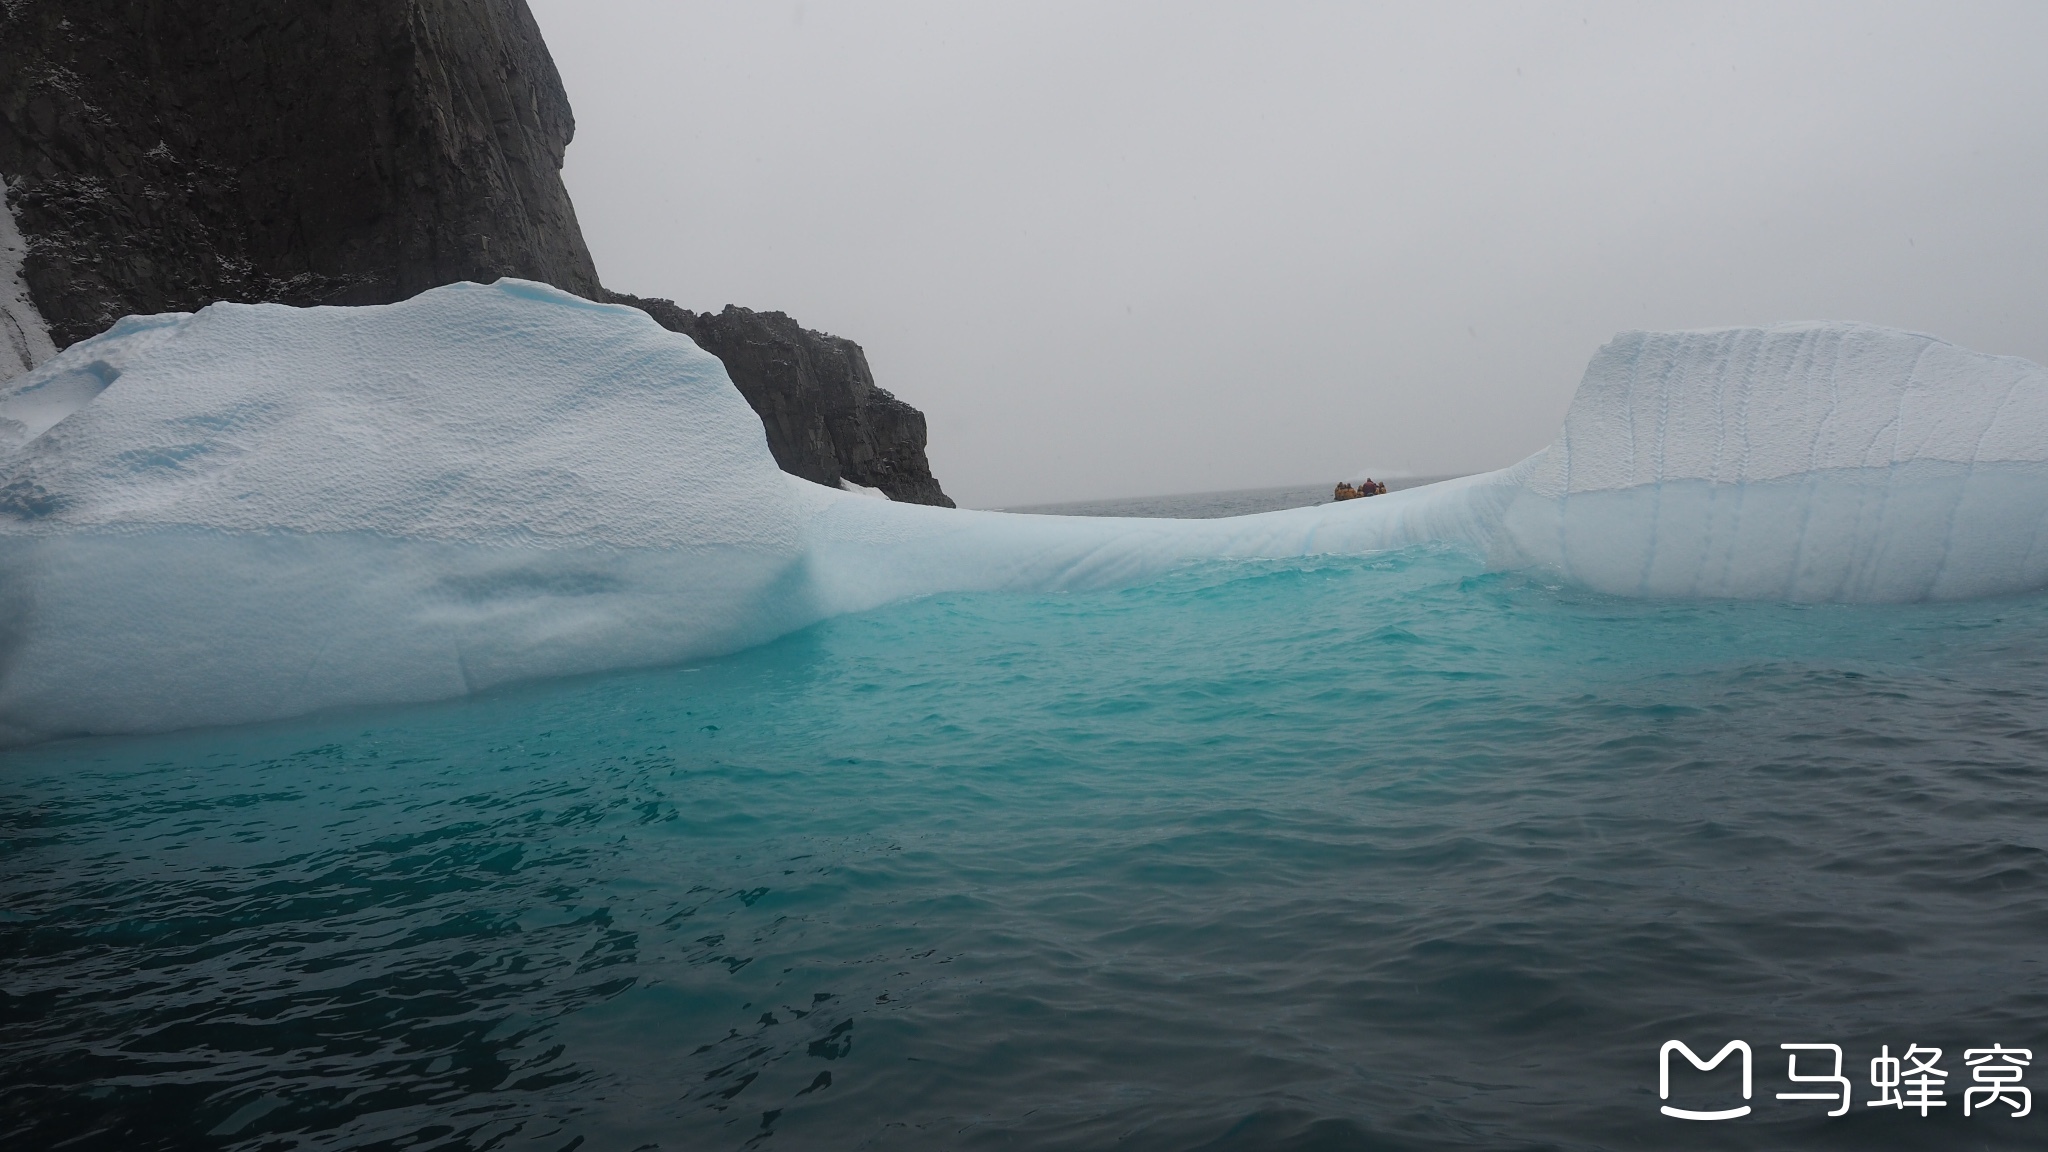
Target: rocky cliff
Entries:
(164, 154)
(160, 155)
(826, 419)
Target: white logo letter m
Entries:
(1664, 1078)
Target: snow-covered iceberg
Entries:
(257, 511)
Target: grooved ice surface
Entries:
(256, 511)
(1816, 461)
(1742, 405)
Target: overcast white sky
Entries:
(1123, 249)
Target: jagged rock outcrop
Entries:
(164, 154)
(826, 419)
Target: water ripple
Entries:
(1375, 854)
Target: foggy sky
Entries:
(1131, 249)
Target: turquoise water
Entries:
(1387, 853)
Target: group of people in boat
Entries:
(1366, 487)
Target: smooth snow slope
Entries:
(257, 511)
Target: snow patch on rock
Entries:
(24, 337)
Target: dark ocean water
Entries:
(1385, 853)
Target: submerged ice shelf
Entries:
(256, 511)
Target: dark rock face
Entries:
(164, 154)
(825, 418)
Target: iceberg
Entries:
(255, 511)
(1813, 462)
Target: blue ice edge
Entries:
(254, 512)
